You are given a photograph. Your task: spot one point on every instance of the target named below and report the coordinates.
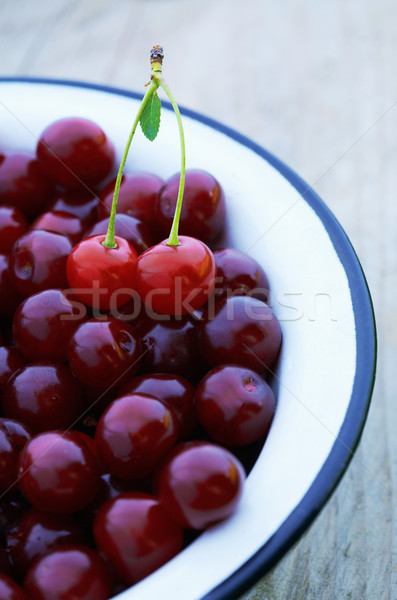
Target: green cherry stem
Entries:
(109, 241)
(156, 59)
(173, 239)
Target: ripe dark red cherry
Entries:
(136, 535)
(44, 396)
(170, 345)
(12, 225)
(103, 352)
(10, 298)
(133, 435)
(235, 405)
(44, 323)
(75, 153)
(175, 280)
(9, 590)
(13, 437)
(58, 473)
(23, 184)
(137, 196)
(134, 231)
(239, 274)
(10, 361)
(81, 204)
(70, 571)
(200, 484)
(35, 533)
(242, 330)
(203, 208)
(173, 390)
(61, 222)
(102, 277)
(38, 261)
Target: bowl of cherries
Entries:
(187, 348)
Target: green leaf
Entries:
(150, 118)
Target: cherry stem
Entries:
(156, 60)
(173, 239)
(110, 241)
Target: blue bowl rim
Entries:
(350, 433)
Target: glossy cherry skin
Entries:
(104, 352)
(61, 222)
(10, 361)
(75, 153)
(102, 277)
(136, 535)
(44, 323)
(12, 225)
(23, 184)
(203, 208)
(70, 571)
(242, 330)
(134, 434)
(13, 437)
(170, 345)
(173, 390)
(38, 261)
(58, 473)
(10, 298)
(137, 196)
(239, 274)
(81, 204)
(235, 405)
(44, 396)
(35, 533)
(133, 230)
(200, 484)
(175, 280)
(9, 590)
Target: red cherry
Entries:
(75, 153)
(175, 280)
(69, 572)
(136, 198)
(44, 323)
(203, 208)
(102, 277)
(44, 396)
(58, 473)
(12, 225)
(35, 533)
(133, 435)
(81, 204)
(23, 184)
(200, 484)
(38, 261)
(104, 352)
(61, 222)
(136, 535)
(235, 405)
(173, 390)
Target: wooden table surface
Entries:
(316, 84)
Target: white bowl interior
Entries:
(269, 220)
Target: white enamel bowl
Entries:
(326, 370)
